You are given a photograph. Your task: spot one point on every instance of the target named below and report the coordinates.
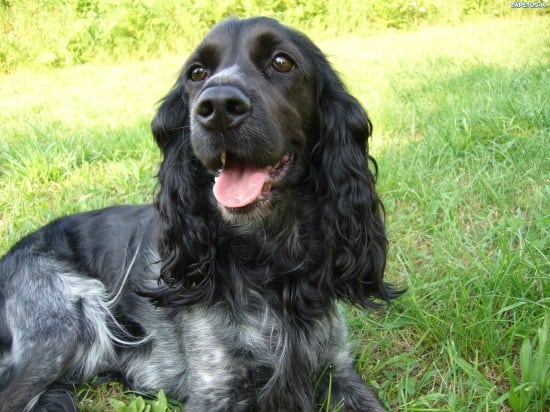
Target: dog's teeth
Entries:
(223, 157)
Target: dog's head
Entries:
(259, 132)
(249, 94)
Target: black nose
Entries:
(222, 107)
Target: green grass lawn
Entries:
(462, 136)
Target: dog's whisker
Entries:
(124, 279)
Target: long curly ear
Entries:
(351, 214)
(184, 239)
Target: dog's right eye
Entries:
(198, 74)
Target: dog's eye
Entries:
(198, 74)
(282, 63)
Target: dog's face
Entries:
(250, 91)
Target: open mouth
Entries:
(240, 187)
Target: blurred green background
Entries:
(66, 32)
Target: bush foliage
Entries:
(59, 33)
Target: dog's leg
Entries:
(53, 325)
(34, 358)
(56, 399)
(346, 392)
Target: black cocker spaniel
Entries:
(223, 293)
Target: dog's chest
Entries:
(254, 347)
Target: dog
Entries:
(224, 291)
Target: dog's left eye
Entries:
(282, 63)
(198, 74)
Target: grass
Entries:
(462, 135)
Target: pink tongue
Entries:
(239, 186)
